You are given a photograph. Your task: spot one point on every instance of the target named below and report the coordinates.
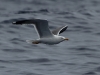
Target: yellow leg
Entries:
(35, 42)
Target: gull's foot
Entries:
(35, 42)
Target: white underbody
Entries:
(52, 40)
(48, 40)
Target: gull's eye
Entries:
(62, 38)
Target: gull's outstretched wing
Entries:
(40, 25)
(59, 30)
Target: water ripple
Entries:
(40, 60)
(97, 69)
(90, 73)
(14, 50)
(83, 48)
(29, 11)
(29, 73)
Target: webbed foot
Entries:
(35, 42)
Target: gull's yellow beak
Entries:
(66, 39)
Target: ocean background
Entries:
(78, 56)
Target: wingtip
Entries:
(17, 23)
(13, 22)
(66, 25)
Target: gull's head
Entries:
(63, 38)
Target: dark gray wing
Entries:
(59, 30)
(40, 25)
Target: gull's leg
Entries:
(33, 41)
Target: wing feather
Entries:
(59, 30)
(40, 25)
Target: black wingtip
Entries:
(18, 22)
(13, 22)
(29, 21)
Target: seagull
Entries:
(45, 35)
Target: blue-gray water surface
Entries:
(78, 56)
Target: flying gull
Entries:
(45, 35)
